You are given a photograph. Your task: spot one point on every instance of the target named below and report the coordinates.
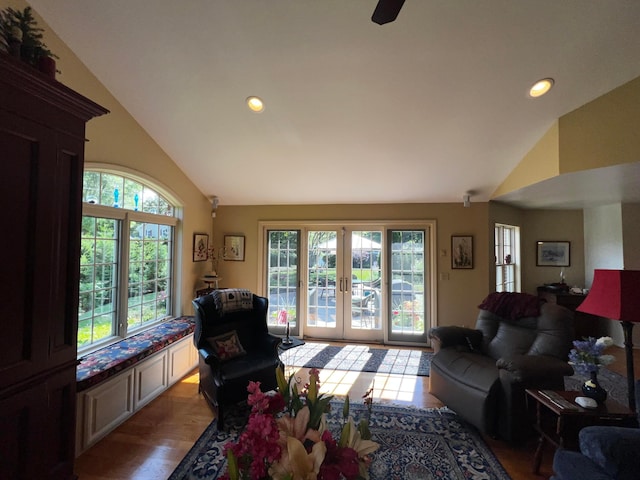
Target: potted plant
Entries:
(23, 37)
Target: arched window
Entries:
(126, 259)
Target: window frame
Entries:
(500, 253)
(124, 217)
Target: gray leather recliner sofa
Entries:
(519, 342)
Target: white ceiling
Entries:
(419, 110)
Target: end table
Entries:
(559, 419)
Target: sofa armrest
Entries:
(614, 449)
(453, 336)
(569, 465)
(528, 367)
(269, 344)
(209, 356)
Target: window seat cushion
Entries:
(97, 366)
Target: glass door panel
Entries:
(407, 292)
(283, 279)
(366, 293)
(324, 301)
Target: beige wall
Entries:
(118, 140)
(561, 225)
(457, 297)
(541, 163)
(603, 132)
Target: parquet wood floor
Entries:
(150, 444)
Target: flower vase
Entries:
(592, 389)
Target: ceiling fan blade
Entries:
(386, 11)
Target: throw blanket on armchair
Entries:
(512, 305)
(230, 300)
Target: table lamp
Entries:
(615, 294)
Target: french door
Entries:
(355, 281)
(344, 278)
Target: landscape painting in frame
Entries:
(553, 254)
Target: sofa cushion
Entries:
(613, 449)
(506, 338)
(554, 337)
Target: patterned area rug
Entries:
(414, 444)
(359, 358)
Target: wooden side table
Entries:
(559, 419)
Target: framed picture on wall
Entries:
(200, 246)
(553, 254)
(234, 248)
(461, 251)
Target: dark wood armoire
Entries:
(42, 137)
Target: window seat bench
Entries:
(116, 381)
(108, 361)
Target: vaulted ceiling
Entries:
(423, 109)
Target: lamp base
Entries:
(627, 328)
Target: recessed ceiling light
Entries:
(541, 87)
(255, 104)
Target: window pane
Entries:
(112, 187)
(149, 273)
(506, 258)
(321, 278)
(407, 299)
(282, 278)
(132, 194)
(98, 279)
(366, 281)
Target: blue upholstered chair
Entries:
(606, 453)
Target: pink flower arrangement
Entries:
(286, 437)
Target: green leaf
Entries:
(363, 428)
(283, 386)
(344, 435)
(232, 467)
(345, 408)
(312, 394)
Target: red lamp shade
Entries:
(614, 294)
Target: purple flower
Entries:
(587, 355)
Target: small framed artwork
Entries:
(553, 254)
(461, 251)
(200, 246)
(234, 248)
